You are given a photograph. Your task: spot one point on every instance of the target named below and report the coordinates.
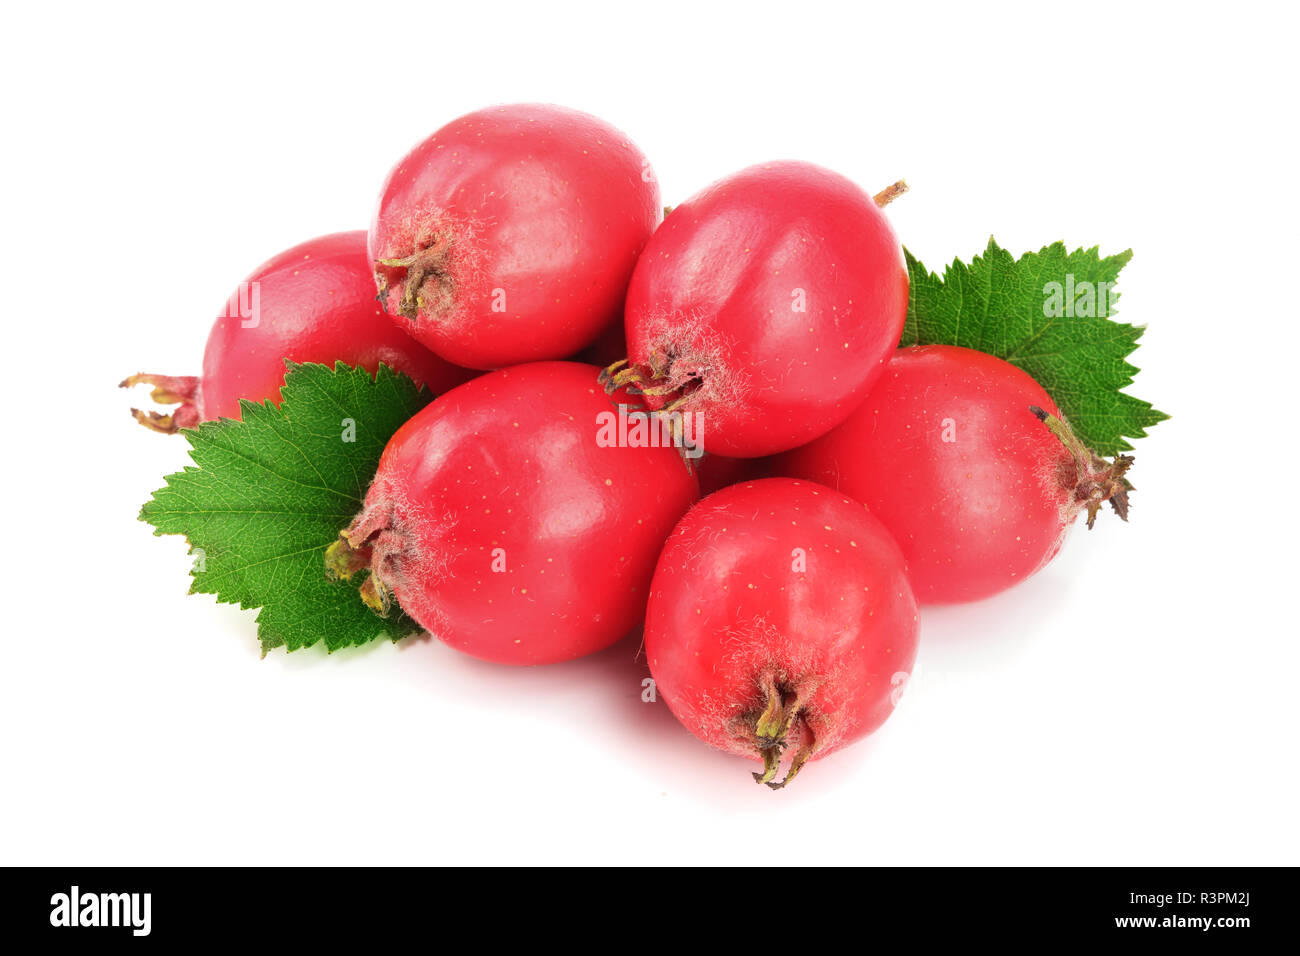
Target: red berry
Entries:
(947, 453)
(766, 305)
(780, 616)
(502, 526)
(509, 235)
(312, 303)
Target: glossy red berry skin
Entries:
(770, 303)
(787, 585)
(500, 523)
(510, 234)
(947, 454)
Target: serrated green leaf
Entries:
(997, 304)
(268, 494)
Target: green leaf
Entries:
(267, 495)
(1069, 344)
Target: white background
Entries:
(1134, 703)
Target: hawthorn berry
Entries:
(509, 235)
(969, 463)
(312, 303)
(780, 617)
(501, 524)
(766, 305)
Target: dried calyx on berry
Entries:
(1094, 479)
(179, 390)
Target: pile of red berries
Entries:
(701, 424)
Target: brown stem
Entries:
(636, 379)
(890, 193)
(181, 390)
(774, 724)
(412, 271)
(1095, 480)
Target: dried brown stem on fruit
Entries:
(771, 728)
(413, 271)
(1095, 480)
(181, 390)
(890, 193)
